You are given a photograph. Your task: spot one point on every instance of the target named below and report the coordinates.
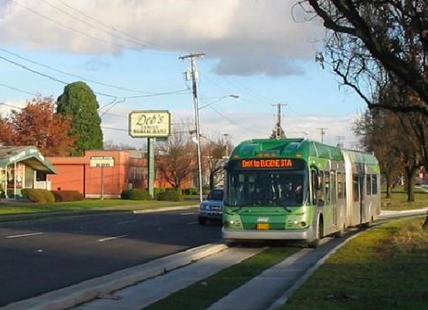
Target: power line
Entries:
(233, 122)
(69, 28)
(18, 89)
(73, 75)
(135, 39)
(95, 92)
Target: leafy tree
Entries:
(372, 42)
(38, 125)
(79, 102)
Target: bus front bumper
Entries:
(233, 234)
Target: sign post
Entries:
(102, 161)
(150, 124)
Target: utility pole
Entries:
(322, 130)
(339, 140)
(193, 73)
(278, 127)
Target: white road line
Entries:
(187, 213)
(112, 238)
(126, 222)
(192, 223)
(24, 235)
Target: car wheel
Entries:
(202, 220)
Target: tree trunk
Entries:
(388, 188)
(425, 224)
(410, 189)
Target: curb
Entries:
(85, 291)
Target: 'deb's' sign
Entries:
(149, 124)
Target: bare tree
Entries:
(215, 155)
(377, 133)
(374, 41)
(175, 160)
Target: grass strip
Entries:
(383, 268)
(88, 205)
(204, 293)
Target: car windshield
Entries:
(216, 194)
(266, 187)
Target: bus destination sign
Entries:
(267, 163)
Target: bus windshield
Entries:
(266, 187)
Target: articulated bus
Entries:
(297, 189)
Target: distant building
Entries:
(23, 167)
(104, 173)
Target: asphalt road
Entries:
(45, 255)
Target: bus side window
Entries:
(374, 184)
(321, 191)
(315, 186)
(356, 187)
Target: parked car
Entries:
(212, 207)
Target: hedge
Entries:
(136, 194)
(38, 195)
(67, 195)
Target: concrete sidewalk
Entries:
(88, 290)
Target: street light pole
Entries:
(193, 68)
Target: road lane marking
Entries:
(192, 223)
(112, 238)
(187, 213)
(126, 222)
(24, 235)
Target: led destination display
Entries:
(267, 163)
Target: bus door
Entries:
(333, 196)
(362, 197)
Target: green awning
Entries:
(29, 155)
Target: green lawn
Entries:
(383, 268)
(201, 295)
(88, 205)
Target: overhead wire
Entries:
(71, 28)
(136, 39)
(73, 75)
(181, 91)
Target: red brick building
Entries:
(120, 171)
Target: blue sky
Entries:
(262, 51)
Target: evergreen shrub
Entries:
(170, 195)
(136, 194)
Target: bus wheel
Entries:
(340, 233)
(368, 224)
(315, 243)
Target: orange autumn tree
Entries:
(38, 125)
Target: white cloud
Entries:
(246, 37)
(245, 126)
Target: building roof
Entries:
(29, 155)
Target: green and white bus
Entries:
(297, 189)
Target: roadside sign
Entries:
(101, 161)
(149, 124)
